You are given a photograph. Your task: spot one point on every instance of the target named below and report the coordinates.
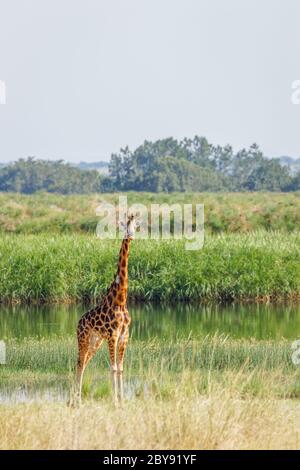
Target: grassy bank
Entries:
(206, 393)
(260, 265)
(157, 367)
(227, 212)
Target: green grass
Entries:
(68, 268)
(156, 367)
(224, 212)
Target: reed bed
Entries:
(69, 268)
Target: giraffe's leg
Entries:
(120, 387)
(82, 361)
(123, 340)
(94, 344)
(117, 387)
(112, 347)
(114, 383)
(86, 351)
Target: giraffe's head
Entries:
(130, 227)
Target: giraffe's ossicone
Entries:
(110, 319)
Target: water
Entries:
(167, 322)
(258, 321)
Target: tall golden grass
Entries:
(219, 420)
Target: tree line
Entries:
(166, 165)
(30, 175)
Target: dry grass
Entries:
(217, 421)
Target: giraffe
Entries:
(110, 319)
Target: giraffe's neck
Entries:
(117, 293)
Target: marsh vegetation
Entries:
(68, 268)
(188, 392)
(209, 373)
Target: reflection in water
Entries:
(164, 321)
(122, 387)
(40, 394)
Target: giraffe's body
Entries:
(110, 319)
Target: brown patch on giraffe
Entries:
(110, 331)
(109, 317)
(127, 318)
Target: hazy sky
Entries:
(84, 78)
